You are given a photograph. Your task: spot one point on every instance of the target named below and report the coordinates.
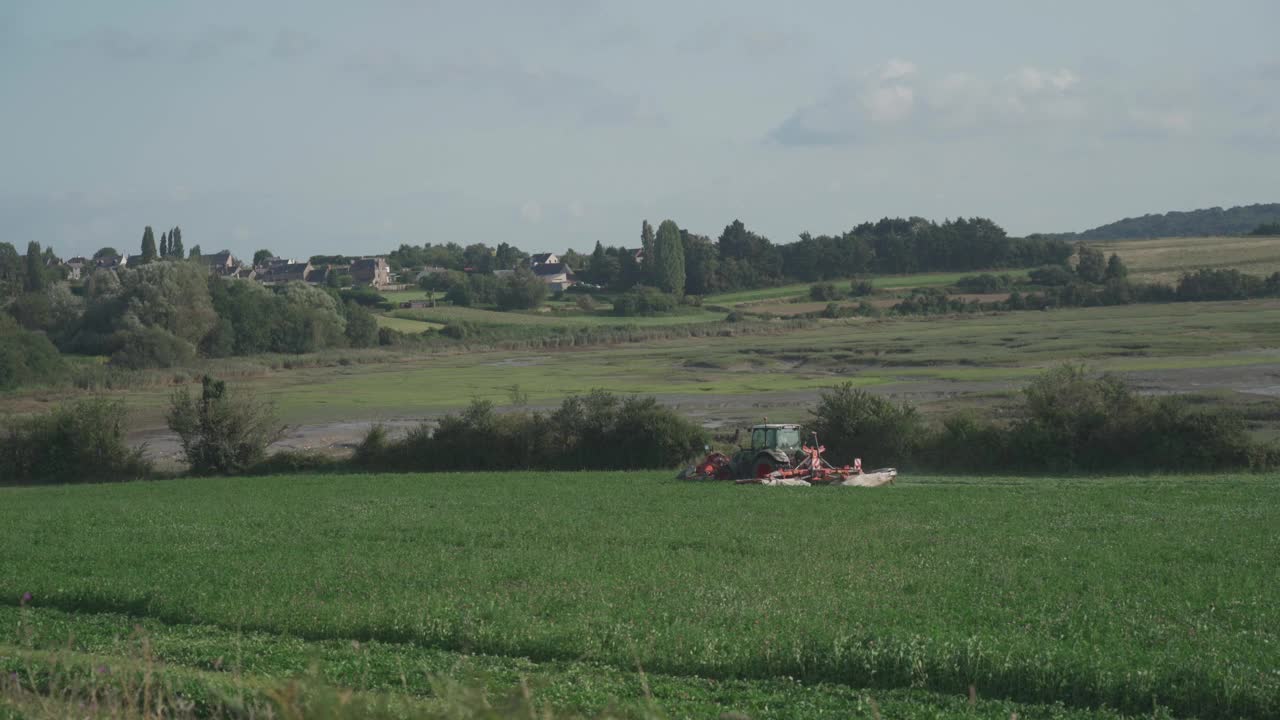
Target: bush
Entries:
(823, 291)
(985, 283)
(1052, 276)
(861, 288)
(80, 442)
(1070, 421)
(222, 433)
(150, 347)
(521, 290)
(598, 431)
(585, 303)
(27, 357)
(362, 326)
(852, 422)
(644, 301)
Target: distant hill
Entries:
(1192, 223)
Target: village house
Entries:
(371, 271)
(285, 272)
(76, 267)
(543, 259)
(221, 263)
(556, 275)
(111, 262)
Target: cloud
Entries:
(531, 211)
(740, 37)
(548, 92)
(118, 45)
(289, 44)
(576, 209)
(897, 100)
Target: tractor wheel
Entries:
(763, 466)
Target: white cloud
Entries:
(889, 104)
(576, 209)
(897, 98)
(897, 69)
(531, 211)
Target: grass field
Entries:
(1165, 259)
(1006, 347)
(1052, 598)
(406, 325)
(446, 314)
(885, 282)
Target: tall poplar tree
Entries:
(164, 246)
(148, 245)
(668, 258)
(34, 279)
(646, 253)
(175, 242)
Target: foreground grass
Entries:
(1116, 593)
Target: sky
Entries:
(309, 127)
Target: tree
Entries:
(261, 256)
(34, 280)
(222, 432)
(362, 326)
(668, 258)
(195, 253)
(1092, 264)
(106, 252)
(175, 242)
(164, 245)
(521, 290)
(148, 245)
(646, 251)
(1116, 269)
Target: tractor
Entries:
(777, 456)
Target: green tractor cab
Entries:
(772, 446)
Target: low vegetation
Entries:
(1067, 420)
(598, 430)
(755, 600)
(82, 441)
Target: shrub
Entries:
(598, 430)
(861, 288)
(823, 291)
(851, 422)
(644, 301)
(1051, 276)
(521, 290)
(80, 442)
(221, 432)
(585, 303)
(985, 283)
(27, 357)
(362, 326)
(150, 347)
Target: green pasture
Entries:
(915, 353)
(445, 314)
(405, 325)
(1049, 597)
(887, 282)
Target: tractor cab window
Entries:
(788, 439)
(759, 438)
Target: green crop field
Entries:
(1050, 597)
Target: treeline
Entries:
(1193, 223)
(1066, 420)
(166, 313)
(741, 259)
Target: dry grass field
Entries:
(1165, 259)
